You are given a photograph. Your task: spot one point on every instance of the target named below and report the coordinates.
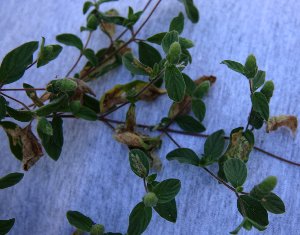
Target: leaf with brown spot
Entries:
(124, 50)
(130, 123)
(176, 107)
(283, 120)
(154, 161)
(32, 149)
(32, 95)
(131, 139)
(46, 96)
(212, 79)
(109, 27)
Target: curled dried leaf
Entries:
(32, 149)
(283, 120)
(154, 161)
(176, 107)
(212, 79)
(107, 27)
(83, 87)
(131, 139)
(46, 96)
(130, 122)
(124, 50)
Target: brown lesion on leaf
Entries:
(212, 79)
(283, 120)
(138, 165)
(32, 149)
(80, 90)
(137, 64)
(15, 134)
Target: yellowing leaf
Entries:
(154, 161)
(130, 122)
(283, 120)
(212, 79)
(32, 149)
(131, 139)
(109, 27)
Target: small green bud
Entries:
(250, 67)
(174, 53)
(268, 89)
(92, 22)
(239, 189)
(150, 199)
(97, 229)
(247, 225)
(268, 184)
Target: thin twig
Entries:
(144, 179)
(15, 100)
(31, 64)
(242, 206)
(171, 138)
(87, 41)
(249, 117)
(24, 89)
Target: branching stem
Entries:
(15, 100)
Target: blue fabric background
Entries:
(93, 174)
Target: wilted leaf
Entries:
(283, 120)
(45, 96)
(133, 65)
(176, 107)
(118, 94)
(212, 79)
(80, 90)
(154, 161)
(131, 139)
(109, 27)
(32, 149)
(130, 123)
(139, 163)
(32, 95)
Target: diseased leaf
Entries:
(258, 80)
(174, 83)
(130, 122)
(32, 95)
(148, 55)
(80, 90)
(53, 144)
(167, 190)
(32, 149)
(2, 107)
(176, 107)
(12, 131)
(119, 20)
(260, 104)
(161, 125)
(70, 40)
(79, 220)
(139, 163)
(157, 38)
(136, 67)
(154, 160)
(109, 27)
(238, 67)
(167, 210)
(177, 23)
(283, 120)
(139, 219)
(168, 40)
(14, 64)
(6, 225)
(189, 124)
(212, 79)
(191, 10)
(254, 210)
(184, 155)
(10, 180)
(235, 171)
(273, 203)
(19, 115)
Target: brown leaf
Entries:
(32, 149)
(82, 86)
(212, 79)
(154, 162)
(78, 232)
(176, 107)
(151, 93)
(109, 27)
(131, 139)
(130, 122)
(45, 96)
(283, 120)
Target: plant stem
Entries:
(144, 179)
(249, 117)
(31, 64)
(24, 89)
(87, 41)
(241, 203)
(171, 138)
(15, 100)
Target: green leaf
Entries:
(235, 171)
(51, 107)
(273, 203)
(70, 40)
(168, 40)
(86, 114)
(14, 64)
(161, 125)
(6, 225)
(32, 95)
(151, 178)
(238, 67)
(259, 80)
(157, 38)
(12, 131)
(10, 180)
(187, 53)
(75, 106)
(236, 231)
(191, 10)
(256, 225)
(268, 89)
(174, 83)
(174, 53)
(61, 85)
(2, 107)
(199, 109)
(133, 65)
(254, 210)
(167, 210)
(214, 144)
(190, 85)
(184, 155)
(260, 104)
(47, 53)
(139, 219)
(90, 55)
(79, 221)
(247, 225)
(167, 190)
(132, 18)
(102, 1)
(256, 120)
(268, 184)
(177, 23)
(44, 126)
(119, 20)
(53, 144)
(148, 55)
(185, 43)
(19, 115)
(139, 163)
(91, 103)
(250, 67)
(189, 124)
(86, 6)
(92, 22)
(202, 90)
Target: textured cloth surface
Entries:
(93, 174)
